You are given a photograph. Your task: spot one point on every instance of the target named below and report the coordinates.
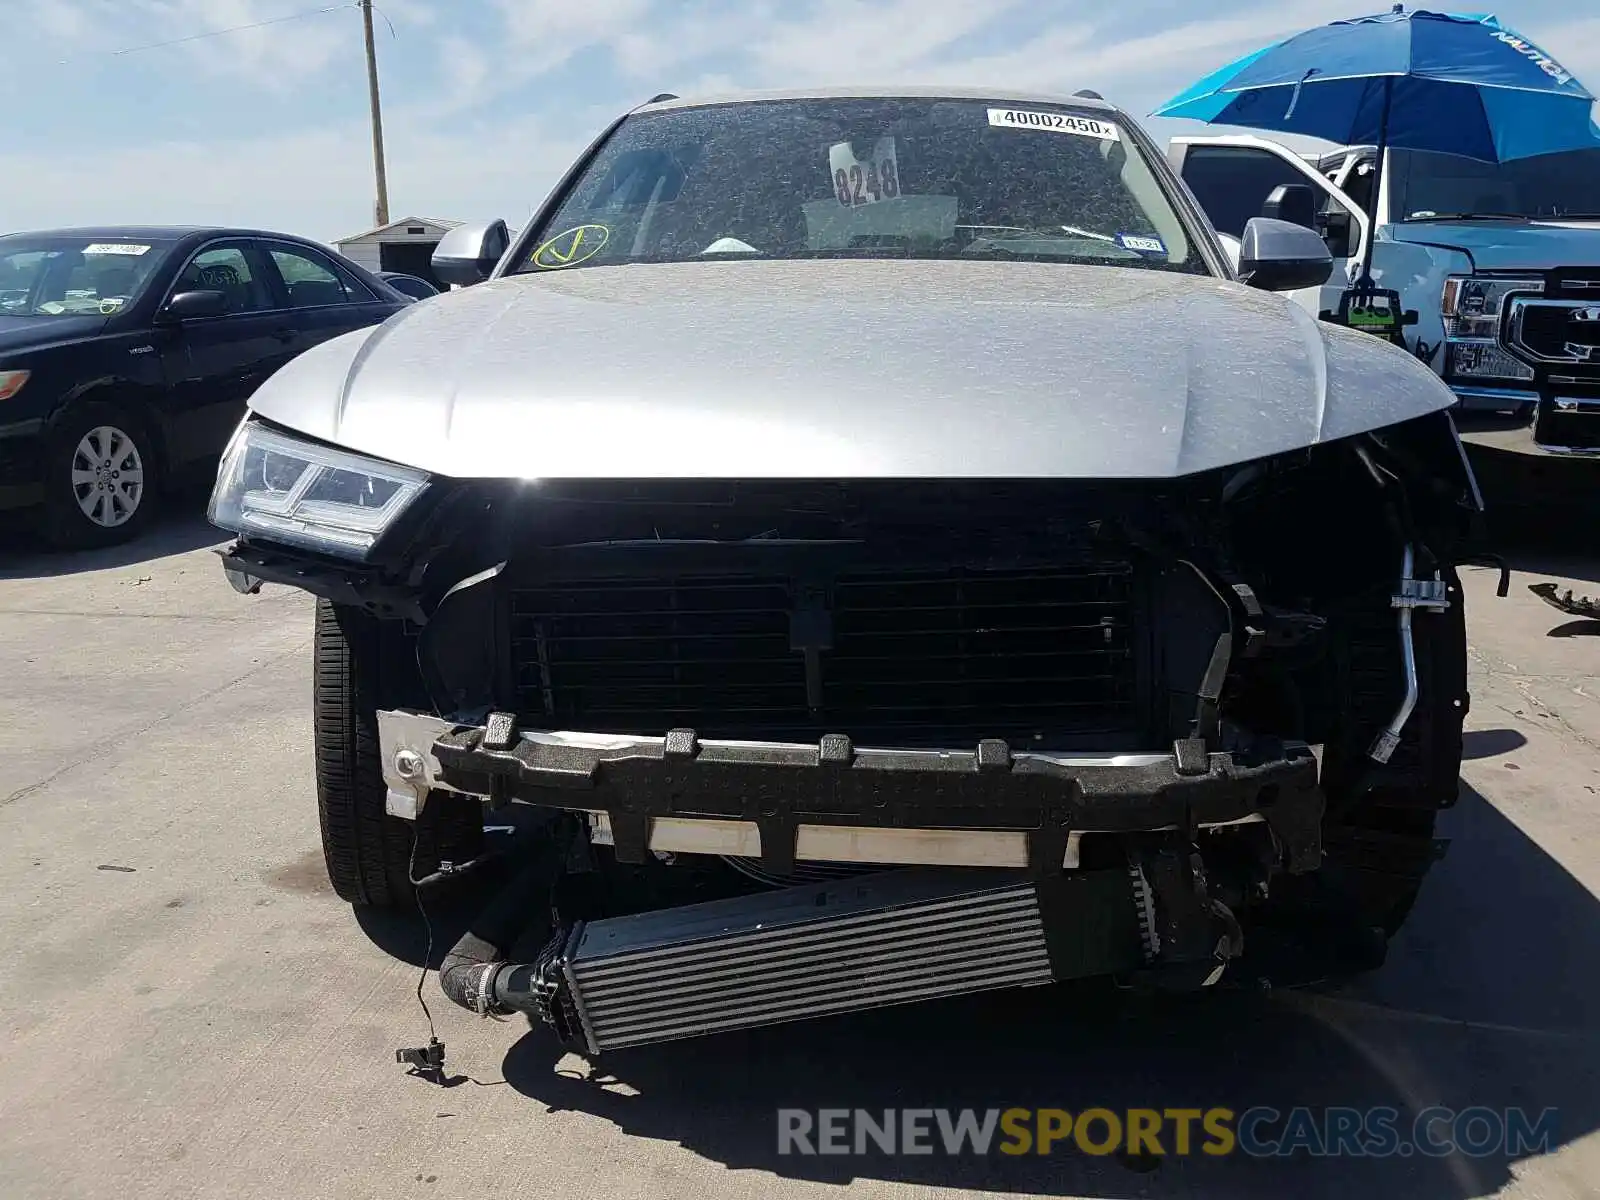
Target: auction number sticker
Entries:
(861, 181)
(1054, 122)
(1141, 243)
(115, 248)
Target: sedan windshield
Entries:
(867, 178)
(57, 277)
(1551, 186)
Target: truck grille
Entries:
(911, 658)
(1562, 332)
(1574, 283)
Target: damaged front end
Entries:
(924, 737)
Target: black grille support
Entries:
(1042, 655)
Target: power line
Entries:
(211, 33)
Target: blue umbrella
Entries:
(1464, 85)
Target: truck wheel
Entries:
(369, 854)
(101, 477)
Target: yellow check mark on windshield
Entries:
(572, 246)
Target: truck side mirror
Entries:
(1277, 256)
(1295, 203)
(468, 254)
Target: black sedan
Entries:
(127, 354)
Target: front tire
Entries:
(370, 855)
(101, 477)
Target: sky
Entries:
(486, 101)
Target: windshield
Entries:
(867, 178)
(57, 277)
(1550, 185)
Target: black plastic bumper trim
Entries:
(351, 584)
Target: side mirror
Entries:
(1276, 256)
(468, 254)
(186, 306)
(1295, 203)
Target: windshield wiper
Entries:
(1469, 216)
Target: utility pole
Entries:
(381, 210)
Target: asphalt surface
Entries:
(187, 1011)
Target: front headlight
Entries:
(1483, 359)
(303, 494)
(1473, 308)
(1473, 304)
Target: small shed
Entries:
(405, 245)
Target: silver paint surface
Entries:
(831, 368)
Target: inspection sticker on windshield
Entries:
(115, 248)
(858, 181)
(1141, 243)
(1054, 122)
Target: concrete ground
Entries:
(186, 1010)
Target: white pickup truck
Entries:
(1501, 264)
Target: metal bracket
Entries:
(410, 771)
(1431, 595)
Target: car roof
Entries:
(1002, 95)
(158, 233)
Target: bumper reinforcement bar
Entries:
(786, 790)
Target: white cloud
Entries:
(1063, 56)
(842, 41)
(269, 56)
(62, 21)
(315, 182)
(544, 34)
(467, 72)
(452, 149)
(407, 12)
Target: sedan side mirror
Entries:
(468, 254)
(1277, 256)
(186, 306)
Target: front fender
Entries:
(1418, 273)
(307, 394)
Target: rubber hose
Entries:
(466, 975)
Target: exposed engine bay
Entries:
(899, 739)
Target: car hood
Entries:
(1509, 245)
(828, 368)
(34, 333)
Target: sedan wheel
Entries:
(108, 476)
(104, 478)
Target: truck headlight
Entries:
(1472, 305)
(1482, 360)
(303, 494)
(1473, 308)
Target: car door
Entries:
(1232, 177)
(213, 364)
(321, 299)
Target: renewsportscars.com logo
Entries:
(1259, 1132)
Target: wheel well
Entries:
(129, 401)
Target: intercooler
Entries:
(801, 952)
